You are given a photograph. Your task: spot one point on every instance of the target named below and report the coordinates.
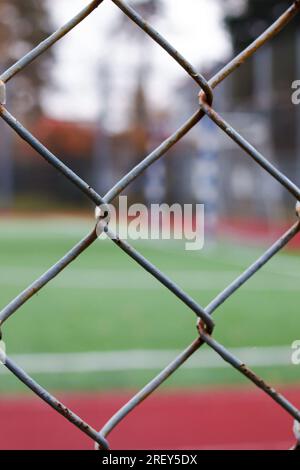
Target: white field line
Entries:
(94, 278)
(238, 257)
(45, 229)
(40, 363)
(70, 228)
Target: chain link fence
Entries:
(205, 322)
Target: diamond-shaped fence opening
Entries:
(206, 324)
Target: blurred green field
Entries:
(105, 302)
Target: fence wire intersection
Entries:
(205, 323)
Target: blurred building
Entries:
(256, 101)
(38, 184)
(260, 94)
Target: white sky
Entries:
(194, 27)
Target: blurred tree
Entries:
(246, 19)
(125, 29)
(138, 46)
(148, 9)
(23, 24)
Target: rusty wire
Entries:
(205, 325)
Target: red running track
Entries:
(229, 419)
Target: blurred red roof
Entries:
(61, 137)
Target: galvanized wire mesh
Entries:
(206, 324)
